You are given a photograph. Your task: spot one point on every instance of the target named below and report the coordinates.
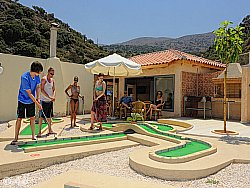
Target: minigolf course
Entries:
(169, 155)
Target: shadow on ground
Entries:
(235, 140)
(13, 148)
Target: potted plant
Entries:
(135, 117)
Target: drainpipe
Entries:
(53, 39)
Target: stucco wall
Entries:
(245, 94)
(14, 66)
(86, 81)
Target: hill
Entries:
(244, 59)
(25, 31)
(190, 43)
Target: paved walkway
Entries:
(204, 127)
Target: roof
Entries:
(234, 70)
(171, 55)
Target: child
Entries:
(29, 89)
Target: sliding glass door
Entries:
(166, 85)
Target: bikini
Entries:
(73, 90)
(99, 88)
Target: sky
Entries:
(115, 21)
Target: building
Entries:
(176, 74)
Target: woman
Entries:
(158, 103)
(74, 99)
(99, 108)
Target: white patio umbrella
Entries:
(114, 65)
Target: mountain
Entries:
(153, 41)
(243, 58)
(25, 31)
(190, 43)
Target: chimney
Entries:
(53, 39)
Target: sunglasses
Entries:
(51, 74)
(75, 80)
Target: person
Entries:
(28, 97)
(48, 93)
(74, 100)
(126, 103)
(158, 103)
(169, 101)
(99, 108)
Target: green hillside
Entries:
(190, 43)
(25, 31)
(211, 53)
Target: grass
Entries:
(211, 181)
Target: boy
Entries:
(29, 88)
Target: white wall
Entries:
(14, 66)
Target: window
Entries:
(166, 85)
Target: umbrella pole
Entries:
(113, 113)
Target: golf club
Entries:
(47, 123)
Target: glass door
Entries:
(166, 85)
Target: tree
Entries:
(228, 45)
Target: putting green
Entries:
(192, 147)
(108, 125)
(71, 140)
(162, 127)
(27, 129)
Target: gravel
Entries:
(116, 164)
(72, 132)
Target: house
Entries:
(176, 74)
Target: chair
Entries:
(140, 108)
(123, 111)
(157, 111)
(147, 103)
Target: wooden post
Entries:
(225, 100)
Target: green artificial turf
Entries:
(109, 125)
(189, 148)
(162, 127)
(27, 129)
(71, 140)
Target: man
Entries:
(48, 93)
(29, 89)
(126, 103)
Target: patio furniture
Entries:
(191, 105)
(157, 111)
(123, 111)
(147, 103)
(139, 107)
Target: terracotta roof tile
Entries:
(167, 56)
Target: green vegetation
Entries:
(211, 181)
(228, 45)
(190, 43)
(212, 54)
(25, 31)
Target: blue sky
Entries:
(114, 21)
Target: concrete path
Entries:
(204, 127)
